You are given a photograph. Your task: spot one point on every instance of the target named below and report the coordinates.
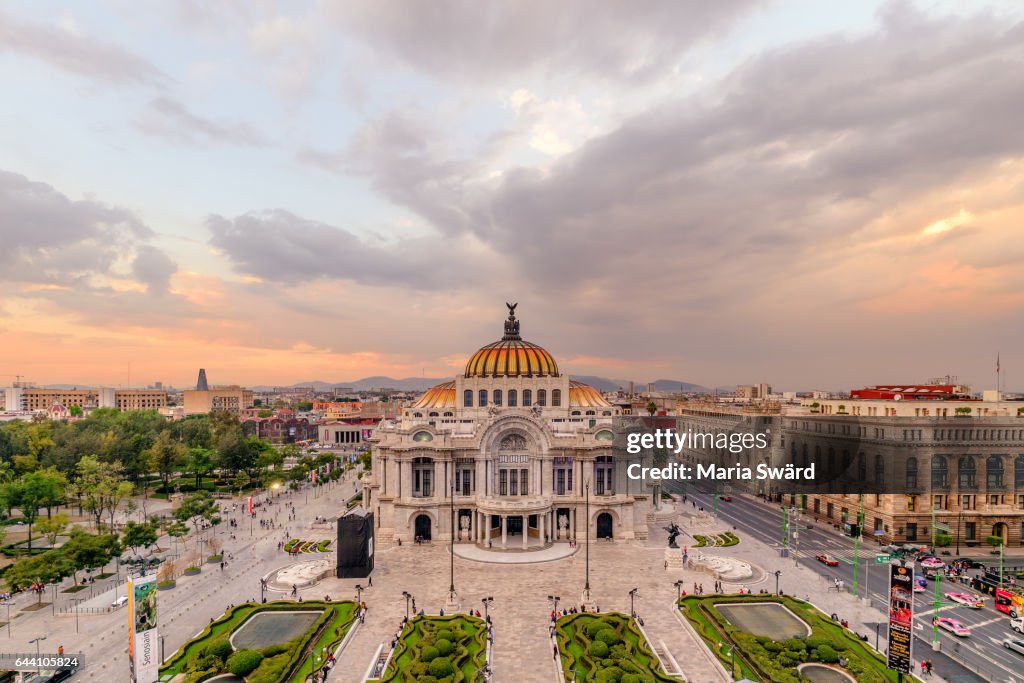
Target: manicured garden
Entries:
(298, 545)
(451, 648)
(211, 652)
(606, 648)
(761, 658)
(720, 540)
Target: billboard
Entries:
(142, 639)
(355, 544)
(901, 618)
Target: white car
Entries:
(1015, 645)
(1017, 624)
(966, 599)
(953, 626)
(932, 563)
(120, 602)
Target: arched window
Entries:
(496, 397)
(527, 398)
(575, 412)
(862, 467)
(940, 472)
(966, 470)
(994, 472)
(912, 473)
(831, 469)
(513, 398)
(590, 412)
(467, 398)
(433, 414)
(542, 397)
(604, 470)
(482, 398)
(1018, 473)
(556, 397)
(879, 468)
(417, 414)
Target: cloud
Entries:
(170, 119)
(479, 42)
(77, 54)
(154, 268)
(279, 246)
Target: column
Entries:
(540, 526)
(526, 530)
(504, 532)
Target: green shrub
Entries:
(594, 627)
(441, 667)
(272, 650)
(631, 678)
(444, 647)
(608, 636)
(612, 674)
(943, 540)
(772, 646)
(827, 654)
(270, 670)
(429, 654)
(445, 634)
(220, 648)
(598, 649)
(244, 662)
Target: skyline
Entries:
(815, 197)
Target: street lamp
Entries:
(359, 594)
(586, 586)
(554, 601)
(732, 658)
(632, 595)
(77, 601)
(39, 668)
(8, 604)
(263, 590)
(679, 590)
(451, 584)
(488, 601)
(408, 596)
(778, 573)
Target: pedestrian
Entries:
(371, 581)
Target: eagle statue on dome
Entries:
(511, 325)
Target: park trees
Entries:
(199, 463)
(165, 457)
(102, 487)
(197, 508)
(32, 491)
(53, 526)
(53, 565)
(136, 535)
(89, 551)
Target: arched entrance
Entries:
(422, 525)
(1001, 530)
(604, 525)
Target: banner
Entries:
(143, 657)
(250, 505)
(901, 618)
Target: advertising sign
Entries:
(901, 617)
(142, 638)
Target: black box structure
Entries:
(355, 544)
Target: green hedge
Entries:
(420, 650)
(606, 647)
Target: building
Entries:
(231, 399)
(948, 466)
(753, 392)
(512, 448)
(201, 384)
(35, 400)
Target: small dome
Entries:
(585, 396)
(512, 356)
(440, 396)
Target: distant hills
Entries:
(424, 383)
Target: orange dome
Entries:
(512, 357)
(440, 396)
(585, 396)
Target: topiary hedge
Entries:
(606, 647)
(244, 662)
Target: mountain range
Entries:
(424, 383)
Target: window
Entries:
(911, 503)
(527, 398)
(1020, 502)
(556, 398)
(911, 532)
(994, 472)
(879, 468)
(970, 531)
(940, 472)
(524, 483)
(862, 467)
(503, 482)
(1018, 472)
(966, 472)
(496, 397)
(513, 485)
(513, 398)
(542, 397)
(603, 470)
(422, 478)
(937, 502)
(563, 477)
(483, 398)
(911, 473)
(467, 398)
(464, 480)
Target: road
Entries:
(979, 657)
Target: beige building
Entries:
(512, 448)
(42, 400)
(231, 399)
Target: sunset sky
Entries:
(816, 195)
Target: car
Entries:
(1015, 645)
(120, 602)
(932, 562)
(727, 499)
(966, 599)
(1017, 624)
(952, 625)
(827, 560)
(920, 585)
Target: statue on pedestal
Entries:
(673, 533)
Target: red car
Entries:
(725, 498)
(827, 560)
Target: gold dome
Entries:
(440, 396)
(585, 396)
(512, 356)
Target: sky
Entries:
(816, 195)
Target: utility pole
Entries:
(856, 544)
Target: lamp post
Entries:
(39, 668)
(732, 659)
(359, 594)
(679, 591)
(554, 601)
(8, 603)
(408, 596)
(488, 601)
(959, 525)
(451, 575)
(586, 524)
(632, 595)
(263, 590)
(778, 573)
(77, 601)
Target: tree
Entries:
(235, 452)
(241, 479)
(102, 486)
(89, 551)
(176, 530)
(32, 491)
(197, 508)
(52, 527)
(652, 408)
(199, 463)
(136, 536)
(53, 565)
(165, 457)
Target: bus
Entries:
(1008, 599)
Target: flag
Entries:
(312, 476)
(250, 505)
